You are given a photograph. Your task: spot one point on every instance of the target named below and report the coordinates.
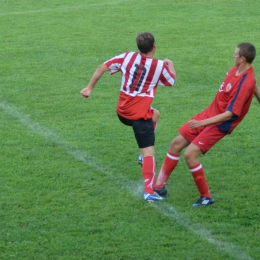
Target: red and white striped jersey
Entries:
(140, 78)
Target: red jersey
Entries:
(140, 78)
(235, 94)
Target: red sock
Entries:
(197, 172)
(148, 172)
(170, 162)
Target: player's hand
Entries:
(194, 124)
(85, 92)
(168, 62)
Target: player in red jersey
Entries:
(201, 132)
(140, 76)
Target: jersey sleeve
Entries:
(167, 78)
(114, 64)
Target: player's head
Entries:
(247, 50)
(145, 42)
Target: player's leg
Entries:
(191, 157)
(144, 134)
(156, 118)
(148, 169)
(148, 172)
(170, 162)
(208, 137)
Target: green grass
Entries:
(70, 187)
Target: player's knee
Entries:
(188, 157)
(175, 146)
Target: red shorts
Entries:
(204, 137)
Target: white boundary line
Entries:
(68, 8)
(166, 209)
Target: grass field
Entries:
(70, 187)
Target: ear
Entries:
(154, 46)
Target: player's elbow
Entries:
(102, 68)
(229, 115)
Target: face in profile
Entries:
(237, 57)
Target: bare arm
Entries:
(86, 92)
(210, 121)
(257, 93)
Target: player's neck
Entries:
(147, 55)
(242, 68)
(150, 53)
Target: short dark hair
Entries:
(145, 42)
(247, 50)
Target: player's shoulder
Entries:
(251, 71)
(159, 62)
(131, 54)
(119, 57)
(249, 80)
(250, 74)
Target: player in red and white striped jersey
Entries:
(140, 77)
(141, 74)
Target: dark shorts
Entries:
(143, 130)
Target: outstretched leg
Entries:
(170, 162)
